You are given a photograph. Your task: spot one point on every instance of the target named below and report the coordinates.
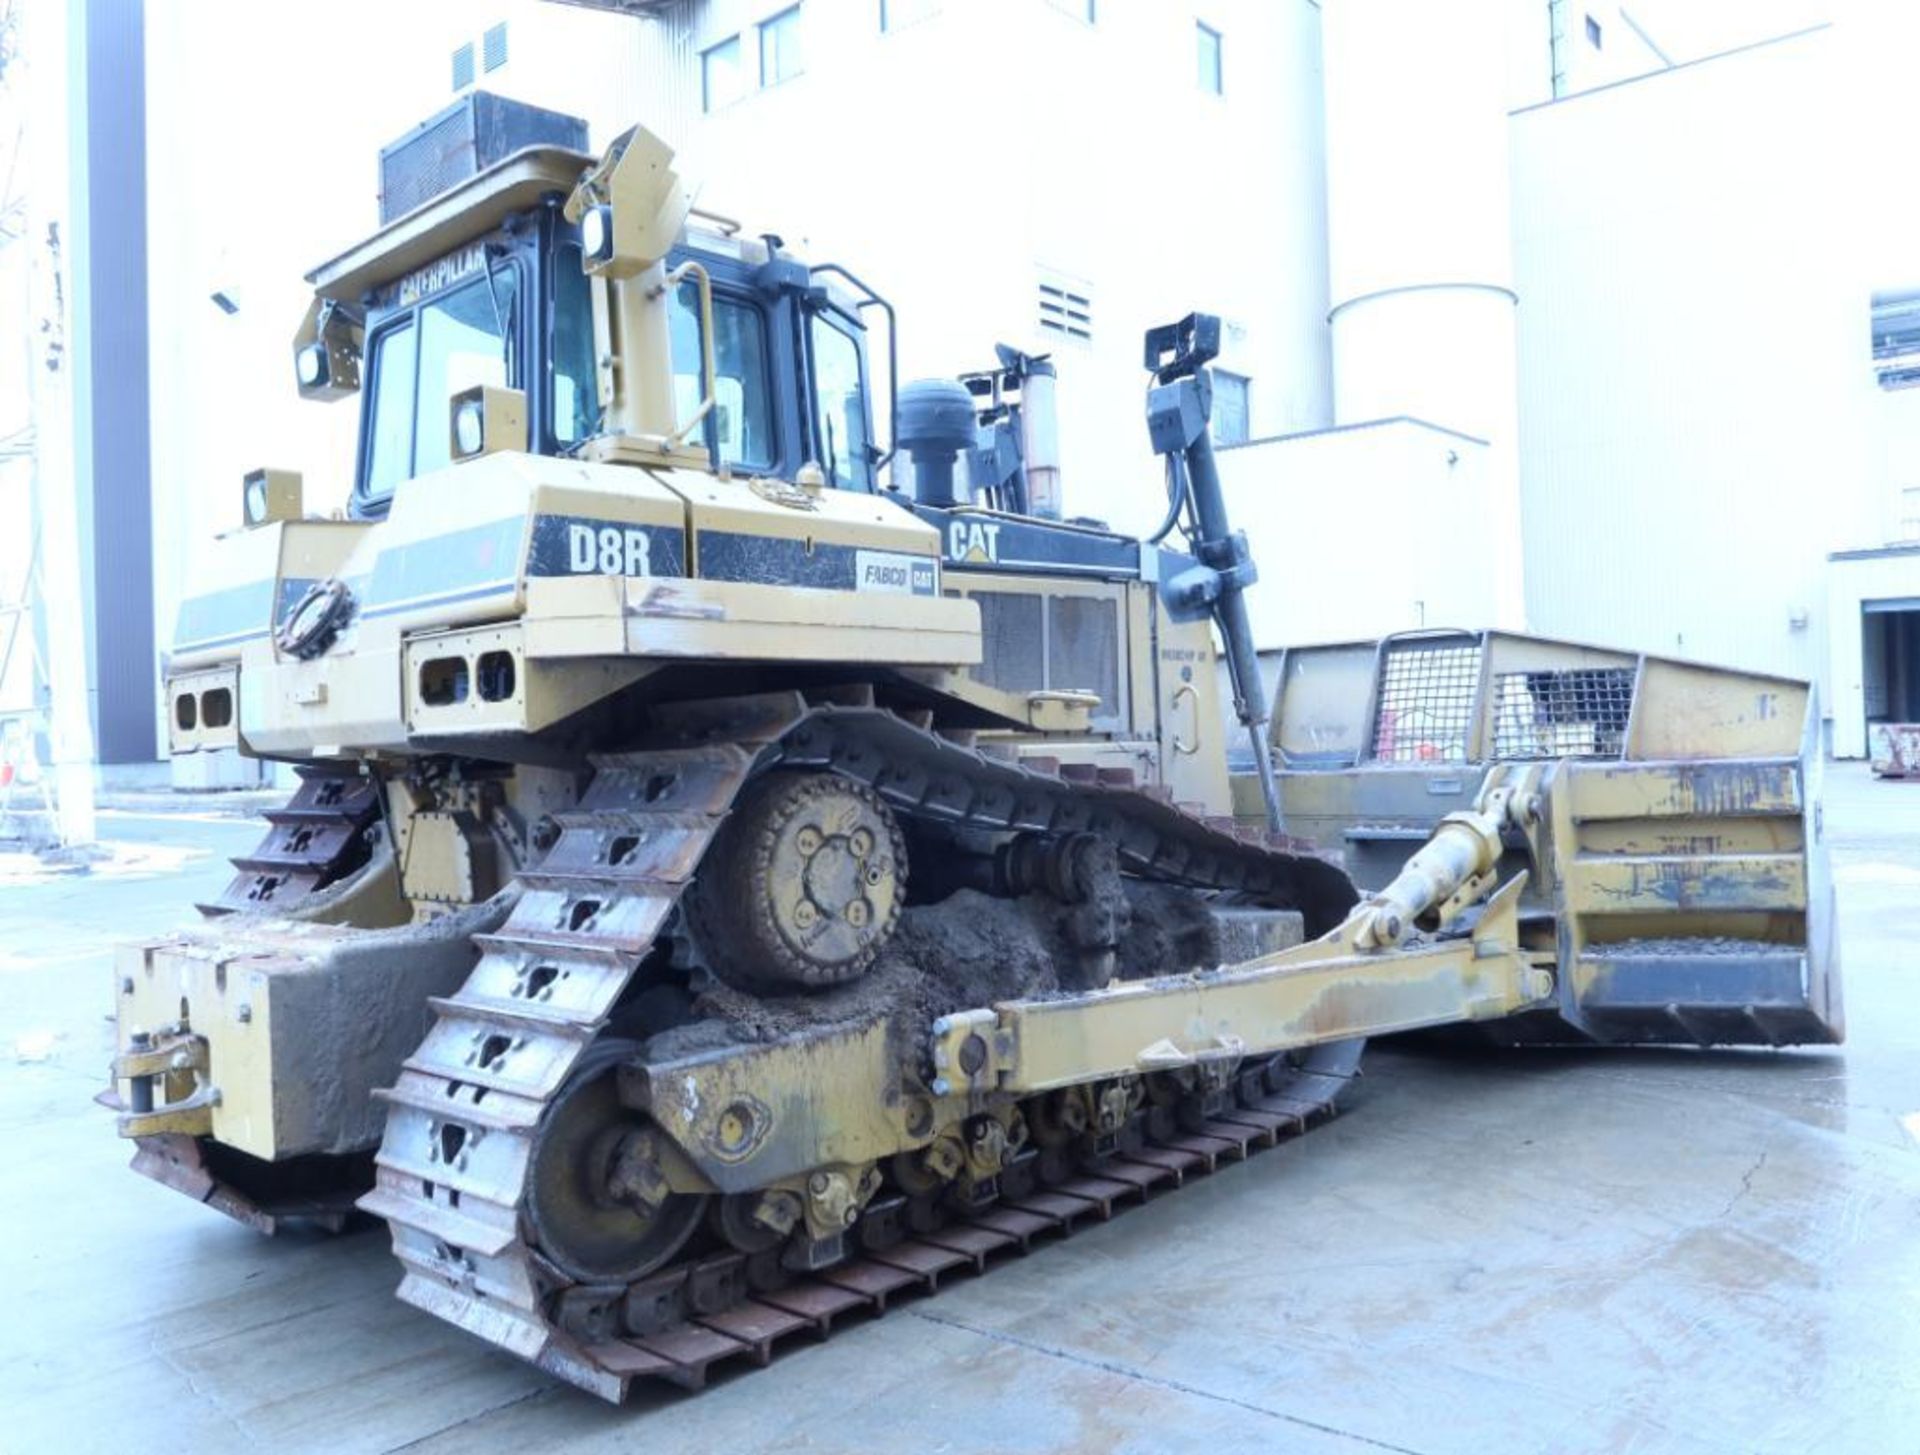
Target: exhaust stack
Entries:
(1014, 464)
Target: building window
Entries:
(1557, 47)
(780, 47)
(1230, 418)
(463, 67)
(1211, 78)
(899, 14)
(1593, 32)
(1896, 339)
(493, 47)
(721, 81)
(1066, 308)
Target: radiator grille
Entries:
(439, 157)
(1083, 648)
(1426, 702)
(1013, 641)
(1579, 712)
(1031, 643)
(468, 137)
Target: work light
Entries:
(270, 495)
(311, 365)
(469, 428)
(485, 420)
(596, 234)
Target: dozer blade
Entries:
(1685, 888)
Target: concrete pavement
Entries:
(1646, 1251)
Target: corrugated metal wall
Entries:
(667, 96)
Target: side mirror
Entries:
(486, 420)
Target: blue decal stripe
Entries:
(203, 611)
(436, 569)
(200, 644)
(419, 603)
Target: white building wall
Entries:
(1365, 530)
(1897, 435)
(1420, 248)
(1695, 397)
(954, 161)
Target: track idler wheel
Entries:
(803, 885)
(597, 1197)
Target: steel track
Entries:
(316, 839)
(725, 1320)
(453, 1166)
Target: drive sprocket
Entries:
(803, 886)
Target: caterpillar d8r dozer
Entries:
(721, 892)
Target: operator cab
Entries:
(514, 309)
(480, 282)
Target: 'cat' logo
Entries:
(973, 540)
(610, 550)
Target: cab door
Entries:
(841, 416)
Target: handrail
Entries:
(712, 378)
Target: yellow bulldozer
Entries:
(725, 891)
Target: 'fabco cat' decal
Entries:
(890, 571)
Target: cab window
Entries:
(576, 382)
(390, 433)
(740, 427)
(453, 342)
(840, 395)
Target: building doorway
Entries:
(1890, 660)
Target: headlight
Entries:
(256, 501)
(596, 234)
(311, 365)
(469, 428)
